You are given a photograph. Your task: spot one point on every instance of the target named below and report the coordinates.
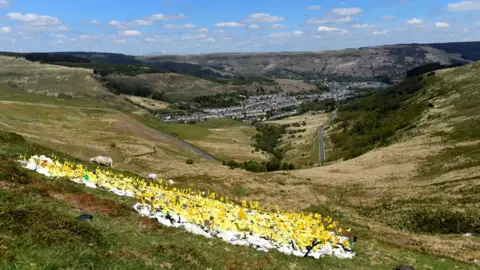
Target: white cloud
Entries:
(383, 32)
(60, 36)
(148, 21)
(218, 31)
(415, 21)
(276, 26)
(4, 3)
(264, 18)
(5, 29)
(34, 22)
(442, 25)
(346, 11)
(253, 26)
(286, 34)
(327, 29)
(229, 25)
(209, 40)
(227, 38)
(297, 33)
(463, 6)
(34, 19)
(131, 33)
(95, 22)
(115, 23)
(200, 36)
(150, 40)
(330, 20)
(85, 37)
(180, 26)
(118, 41)
(161, 17)
(344, 20)
(202, 30)
(317, 21)
(140, 23)
(279, 35)
(364, 26)
(314, 7)
(388, 18)
(170, 26)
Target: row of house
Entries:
(258, 107)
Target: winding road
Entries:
(189, 146)
(321, 146)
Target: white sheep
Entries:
(152, 176)
(104, 161)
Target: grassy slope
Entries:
(344, 190)
(225, 139)
(38, 230)
(180, 87)
(40, 100)
(302, 150)
(424, 186)
(229, 140)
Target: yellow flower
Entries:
(241, 214)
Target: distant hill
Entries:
(392, 61)
(367, 63)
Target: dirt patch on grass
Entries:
(147, 224)
(91, 204)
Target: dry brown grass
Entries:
(147, 103)
(84, 134)
(390, 173)
(51, 80)
(302, 150)
(294, 85)
(231, 143)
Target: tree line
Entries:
(370, 121)
(51, 58)
(428, 68)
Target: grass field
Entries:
(226, 139)
(294, 85)
(230, 140)
(16, 73)
(38, 230)
(147, 103)
(428, 181)
(302, 148)
(429, 176)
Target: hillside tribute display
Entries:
(211, 215)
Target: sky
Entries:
(212, 26)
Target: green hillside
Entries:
(408, 185)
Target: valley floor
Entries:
(387, 195)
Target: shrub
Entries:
(113, 145)
(189, 161)
(370, 121)
(444, 221)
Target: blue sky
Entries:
(206, 26)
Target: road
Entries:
(321, 146)
(189, 146)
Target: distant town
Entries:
(273, 106)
